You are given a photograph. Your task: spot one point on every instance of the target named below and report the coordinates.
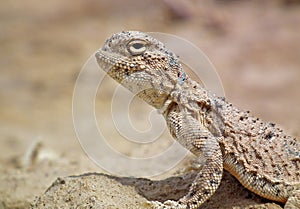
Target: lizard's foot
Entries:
(169, 204)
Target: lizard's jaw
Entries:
(119, 68)
(105, 61)
(134, 78)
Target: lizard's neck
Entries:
(182, 94)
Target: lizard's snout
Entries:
(103, 61)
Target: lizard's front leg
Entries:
(192, 135)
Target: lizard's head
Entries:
(142, 64)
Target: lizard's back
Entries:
(260, 155)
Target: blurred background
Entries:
(254, 45)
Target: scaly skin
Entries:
(260, 155)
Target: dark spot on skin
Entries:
(277, 192)
(212, 182)
(172, 62)
(208, 102)
(269, 135)
(264, 184)
(170, 53)
(217, 171)
(126, 72)
(206, 192)
(61, 181)
(192, 193)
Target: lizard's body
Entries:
(258, 154)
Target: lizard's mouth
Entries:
(108, 61)
(105, 61)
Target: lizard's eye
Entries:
(137, 47)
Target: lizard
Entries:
(258, 154)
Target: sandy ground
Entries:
(254, 46)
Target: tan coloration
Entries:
(258, 154)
